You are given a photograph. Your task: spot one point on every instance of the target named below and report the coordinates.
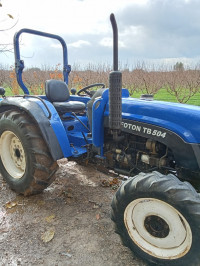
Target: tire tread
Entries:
(171, 188)
(39, 150)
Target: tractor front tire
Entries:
(158, 218)
(25, 162)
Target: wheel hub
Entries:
(17, 153)
(156, 226)
(12, 154)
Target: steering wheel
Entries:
(87, 92)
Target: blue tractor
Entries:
(157, 144)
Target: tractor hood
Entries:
(182, 119)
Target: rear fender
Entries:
(51, 128)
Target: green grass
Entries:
(9, 92)
(163, 95)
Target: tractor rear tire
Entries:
(158, 218)
(25, 162)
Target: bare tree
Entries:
(6, 47)
(183, 84)
(150, 81)
(131, 80)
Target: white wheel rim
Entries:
(12, 154)
(158, 228)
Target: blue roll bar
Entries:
(19, 64)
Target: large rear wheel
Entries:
(25, 161)
(158, 218)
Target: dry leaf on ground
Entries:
(98, 216)
(11, 204)
(50, 218)
(48, 235)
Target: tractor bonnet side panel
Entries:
(182, 119)
(175, 125)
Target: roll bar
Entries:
(19, 64)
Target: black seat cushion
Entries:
(57, 92)
(67, 107)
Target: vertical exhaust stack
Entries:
(115, 86)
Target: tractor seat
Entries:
(57, 92)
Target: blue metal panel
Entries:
(97, 120)
(77, 139)
(73, 129)
(44, 115)
(182, 119)
(57, 126)
(68, 134)
(98, 117)
(73, 125)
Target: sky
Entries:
(156, 32)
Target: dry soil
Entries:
(68, 224)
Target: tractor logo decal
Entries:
(145, 130)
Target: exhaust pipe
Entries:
(115, 87)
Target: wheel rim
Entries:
(158, 228)
(12, 154)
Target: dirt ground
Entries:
(68, 224)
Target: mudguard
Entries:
(47, 119)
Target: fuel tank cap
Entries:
(147, 97)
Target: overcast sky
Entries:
(153, 31)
